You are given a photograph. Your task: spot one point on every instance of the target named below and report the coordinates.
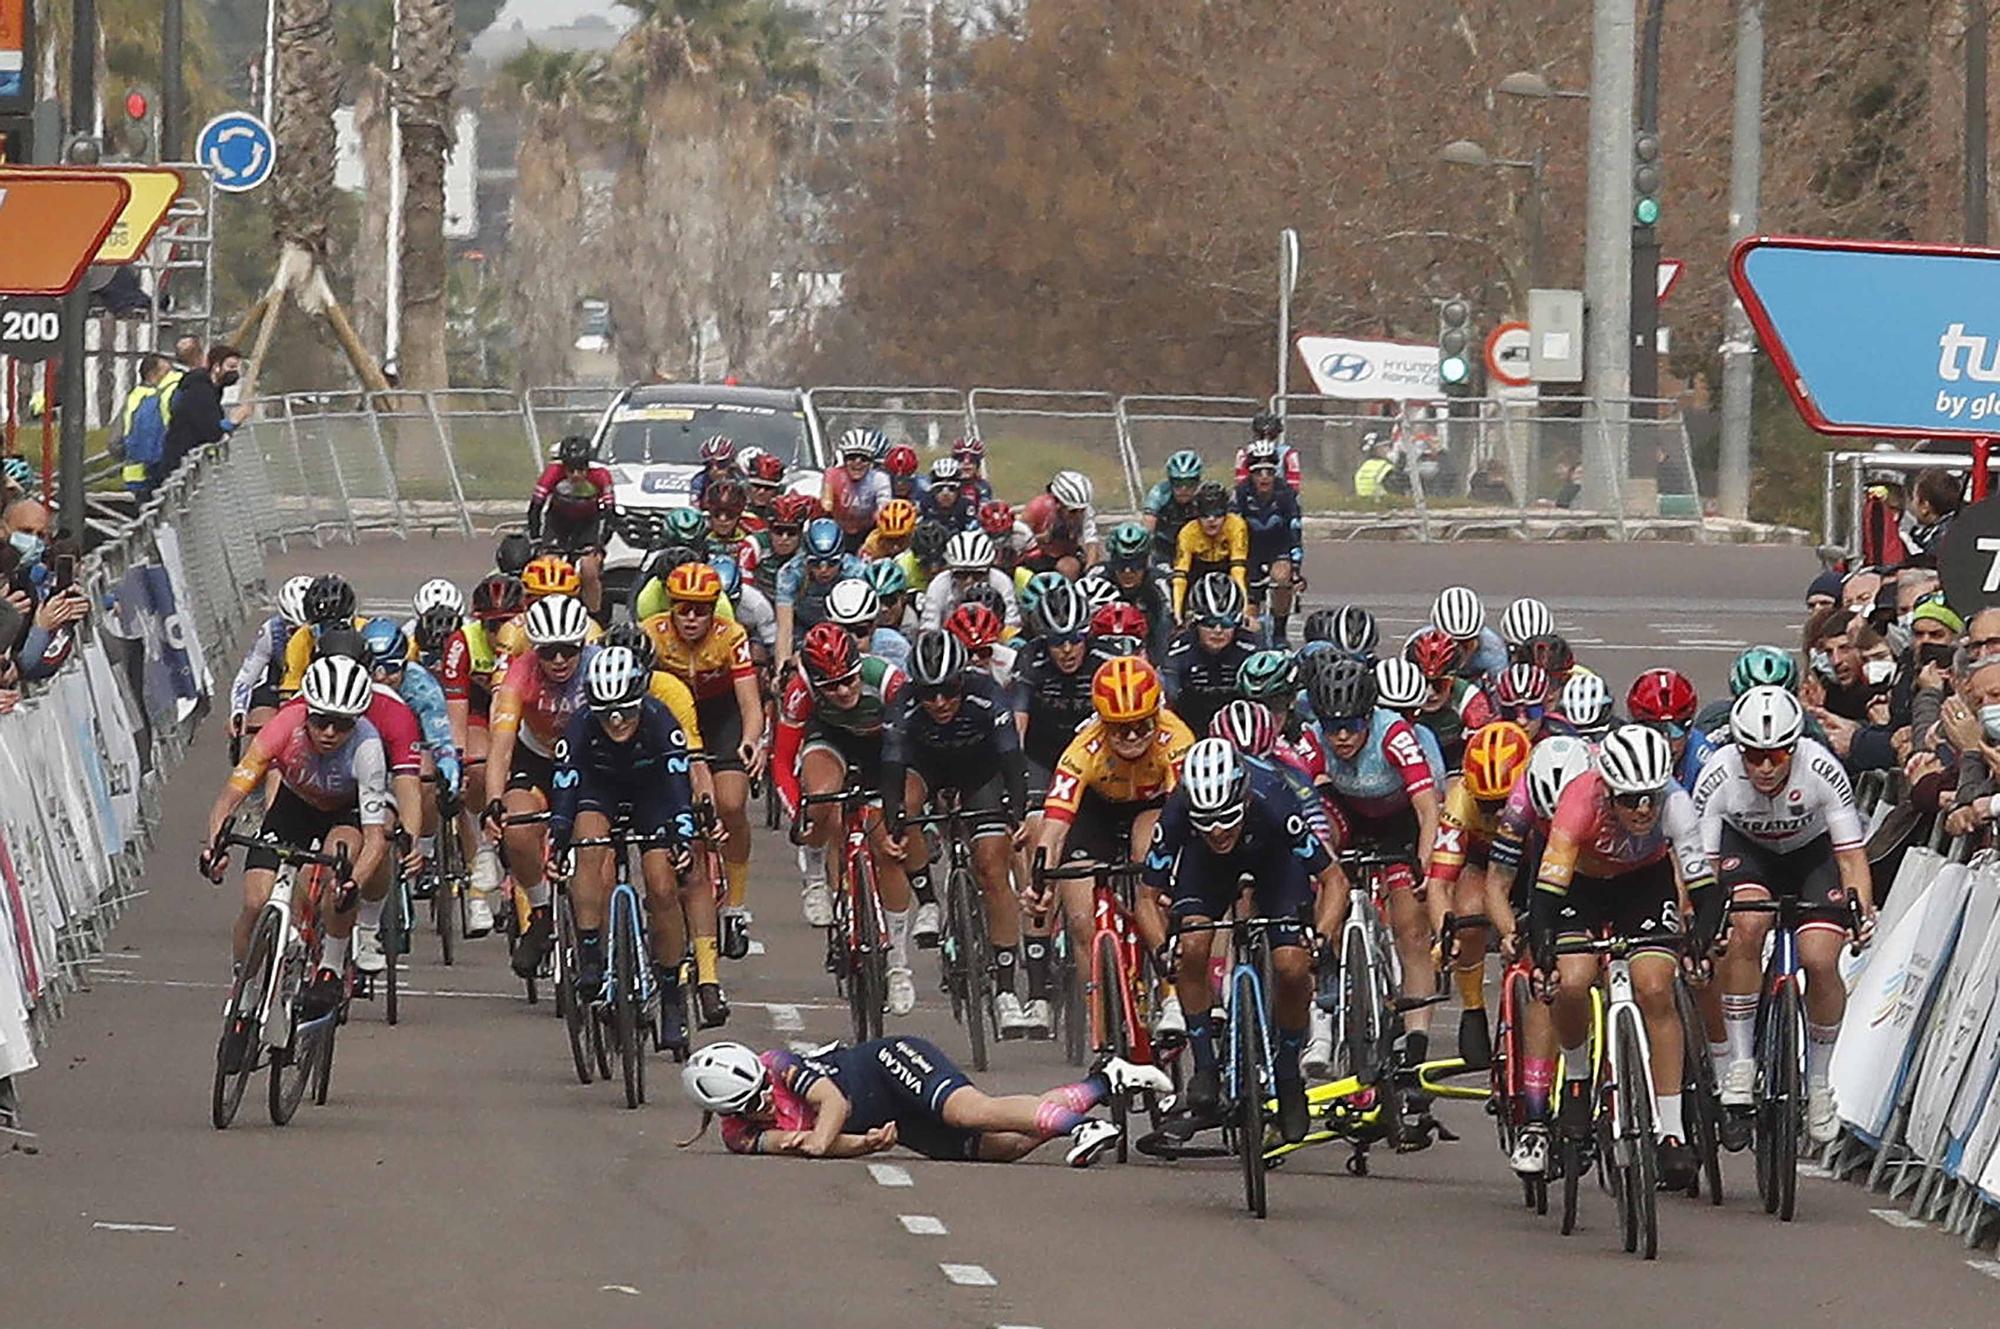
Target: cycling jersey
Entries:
(892, 646)
(879, 546)
(1385, 777)
(1519, 828)
(353, 775)
(1468, 831)
(426, 700)
(764, 572)
(299, 650)
(707, 475)
(1301, 776)
(1585, 839)
(263, 664)
(942, 596)
(1273, 521)
(647, 774)
(1275, 846)
(1199, 682)
(1816, 800)
(904, 1080)
(915, 573)
(962, 515)
(802, 716)
(1056, 704)
(1288, 465)
(572, 502)
(1088, 765)
(853, 503)
(530, 703)
(758, 615)
(1693, 757)
(1197, 553)
(1058, 532)
(709, 667)
(470, 667)
(981, 742)
(1488, 659)
(1169, 517)
(807, 598)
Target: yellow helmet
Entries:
(897, 519)
(1125, 689)
(1495, 756)
(550, 574)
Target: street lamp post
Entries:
(1465, 152)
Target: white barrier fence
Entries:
(83, 757)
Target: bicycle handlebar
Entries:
(1376, 858)
(289, 854)
(1621, 947)
(1788, 908)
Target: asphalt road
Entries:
(460, 1175)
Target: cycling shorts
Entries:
(1809, 874)
(531, 770)
(642, 804)
(1101, 829)
(860, 757)
(1641, 905)
(293, 821)
(910, 1082)
(983, 805)
(573, 536)
(264, 697)
(1206, 887)
(721, 721)
(1395, 833)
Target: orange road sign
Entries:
(154, 189)
(52, 222)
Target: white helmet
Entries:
(1526, 617)
(969, 551)
(336, 685)
(616, 678)
(852, 603)
(1766, 717)
(1555, 761)
(1635, 759)
(439, 591)
(1215, 780)
(292, 600)
(1586, 702)
(1399, 684)
(724, 1077)
(557, 619)
(1071, 489)
(1458, 613)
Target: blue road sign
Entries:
(237, 147)
(1879, 338)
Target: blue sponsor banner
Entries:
(1878, 338)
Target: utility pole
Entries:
(1607, 266)
(1739, 341)
(71, 392)
(1975, 122)
(173, 86)
(1288, 281)
(1646, 237)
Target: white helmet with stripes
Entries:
(1458, 613)
(1635, 759)
(556, 620)
(1526, 617)
(1555, 761)
(439, 591)
(336, 685)
(292, 600)
(1399, 684)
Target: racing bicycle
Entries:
(856, 945)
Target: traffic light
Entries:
(1455, 344)
(138, 126)
(1646, 178)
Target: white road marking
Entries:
(625, 1288)
(969, 1275)
(888, 1174)
(1897, 1218)
(756, 947)
(1732, 642)
(134, 1227)
(785, 1018)
(922, 1225)
(1991, 1268)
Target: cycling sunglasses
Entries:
(1216, 621)
(1077, 638)
(945, 486)
(784, 528)
(824, 560)
(941, 691)
(1136, 730)
(331, 724)
(1764, 756)
(1345, 724)
(551, 652)
(1637, 802)
(622, 713)
(1207, 823)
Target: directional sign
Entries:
(1878, 338)
(30, 326)
(52, 220)
(154, 189)
(1667, 276)
(239, 149)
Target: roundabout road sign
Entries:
(239, 149)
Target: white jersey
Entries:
(1817, 800)
(757, 617)
(941, 597)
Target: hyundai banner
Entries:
(1357, 370)
(1878, 338)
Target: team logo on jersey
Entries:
(1062, 787)
(1450, 840)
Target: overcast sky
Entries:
(552, 13)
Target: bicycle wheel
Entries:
(1245, 1017)
(1570, 1152)
(323, 1068)
(239, 1049)
(391, 935)
(1113, 1038)
(1783, 1102)
(1359, 1037)
(969, 919)
(625, 1000)
(445, 899)
(1075, 1019)
(293, 1069)
(575, 1013)
(1699, 1105)
(1641, 1161)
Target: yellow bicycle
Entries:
(1365, 1113)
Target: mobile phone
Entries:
(64, 569)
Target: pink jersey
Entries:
(352, 775)
(790, 1110)
(1586, 840)
(401, 735)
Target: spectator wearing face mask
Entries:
(1977, 802)
(37, 622)
(196, 417)
(1847, 691)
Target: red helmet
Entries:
(829, 653)
(975, 625)
(1661, 696)
(901, 460)
(718, 448)
(1118, 619)
(794, 509)
(724, 497)
(1522, 685)
(768, 469)
(996, 518)
(1433, 651)
(970, 448)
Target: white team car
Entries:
(650, 438)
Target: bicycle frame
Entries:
(1110, 883)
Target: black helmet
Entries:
(1266, 425)
(1319, 624)
(574, 450)
(1340, 688)
(1211, 500)
(634, 639)
(927, 542)
(329, 600)
(1354, 630)
(1063, 611)
(513, 554)
(937, 659)
(434, 628)
(344, 640)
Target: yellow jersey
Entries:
(1197, 553)
(1089, 765)
(673, 694)
(709, 667)
(299, 648)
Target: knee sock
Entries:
(739, 881)
(899, 937)
(1739, 1019)
(704, 960)
(1083, 1095)
(1719, 1057)
(333, 954)
(1670, 1118)
(1053, 1119)
(370, 913)
(1201, 1040)
(590, 947)
(1471, 983)
(1538, 1077)
(1576, 1062)
(1035, 955)
(1819, 1053)
(1004, 969)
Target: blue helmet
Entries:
(822, 539)
(730, 571)
(388, 644)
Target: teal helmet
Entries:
(1184, 467)
(1763, 666)
(1271, 677)
(886, 575)
(687, 526)
(1128, 541)
(1031, 594)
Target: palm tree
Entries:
(426, 78)
(555, 90)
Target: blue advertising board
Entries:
(1878, 338)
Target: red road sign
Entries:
(52, 222)
(1507, 354)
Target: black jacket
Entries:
(197, 417)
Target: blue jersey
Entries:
(1489, 661)
(647, 774)
(892, 646)
(1389, 771)
(425, 698)
(807, 598)
(1276, 847)
(1698, 749)
(1273, 520)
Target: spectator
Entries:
(1824, 593)
(1858, 593)
(1374, 469)
(195, 417)
(140, 431)
(1881, 519)
(35, 627)
(1569, 483)
(1977, 801)
(1490, 486)
(1934, 501)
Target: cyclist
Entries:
(1113, 776)
(253, 695)
(1206, 657)
(924, 559)
(1496, 759)
(848, 1102)
(471, 667)
(1010, 538)
(976, 624)
(1277, 543)
(1253, 731)
(1378, 781)
(390, 665)
(1271, 678)
(1169, 505)
(854, 605)
(901, 464)
(718, 462)
(894, 525)
(969, 555)
(1401, 687)
(763, 481)
(952, 728)
(830, 738)
(729, 527)
(856, 489)
(1619, 832)
(1216, 541)
(970, 454)
(808, 579)
(1268, 428)
(623, 756)
(1119, 629)
(1456, 705)
(1064, 526)
(437, 593)
(945, 502)
(332, 792)
(1458, 614)
(892, 597)
(572, 508)
(712, 658)
(329, 603)
(1226, 820)
(1521, 695)
(1525, 619)
(1778, 818)
(1350, 629)
(1583, 708)
(1665, 699)
(1128, 570)
(778, 543)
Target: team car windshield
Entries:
(673, 433)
